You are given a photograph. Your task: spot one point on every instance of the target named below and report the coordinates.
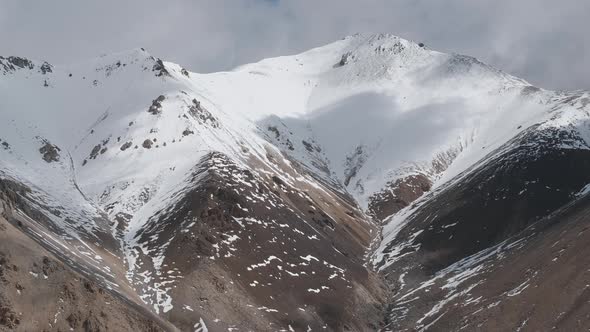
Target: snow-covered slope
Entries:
(130, 159)
(361, 101)
(365, 99)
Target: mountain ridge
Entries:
(181, 188)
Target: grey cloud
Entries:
(545, 42)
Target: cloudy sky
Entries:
(545, 42)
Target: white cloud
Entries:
(543, 41)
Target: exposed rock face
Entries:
(279, 138)
(156, 107)
(202, 115)
(398, 195)
(160, 69)
(13, 63)
(346, 57)
(46, 68)
(95, 151)
(354, 162)
(50, 152)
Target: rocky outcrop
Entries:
(397, 195)
(160, 69)
(156, 107)
(50, 152)
(203, 116)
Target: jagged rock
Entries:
(156, 107)
(50, 152)
(203, 116)
(45, 68)
(160, 69)
(21, 62)
(12, 63)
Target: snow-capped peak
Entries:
(382, 91)
(348, 111)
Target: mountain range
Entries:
(372, 184)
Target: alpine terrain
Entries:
(371, 184)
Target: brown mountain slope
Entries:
(39, 293)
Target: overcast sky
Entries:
(545, 42)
